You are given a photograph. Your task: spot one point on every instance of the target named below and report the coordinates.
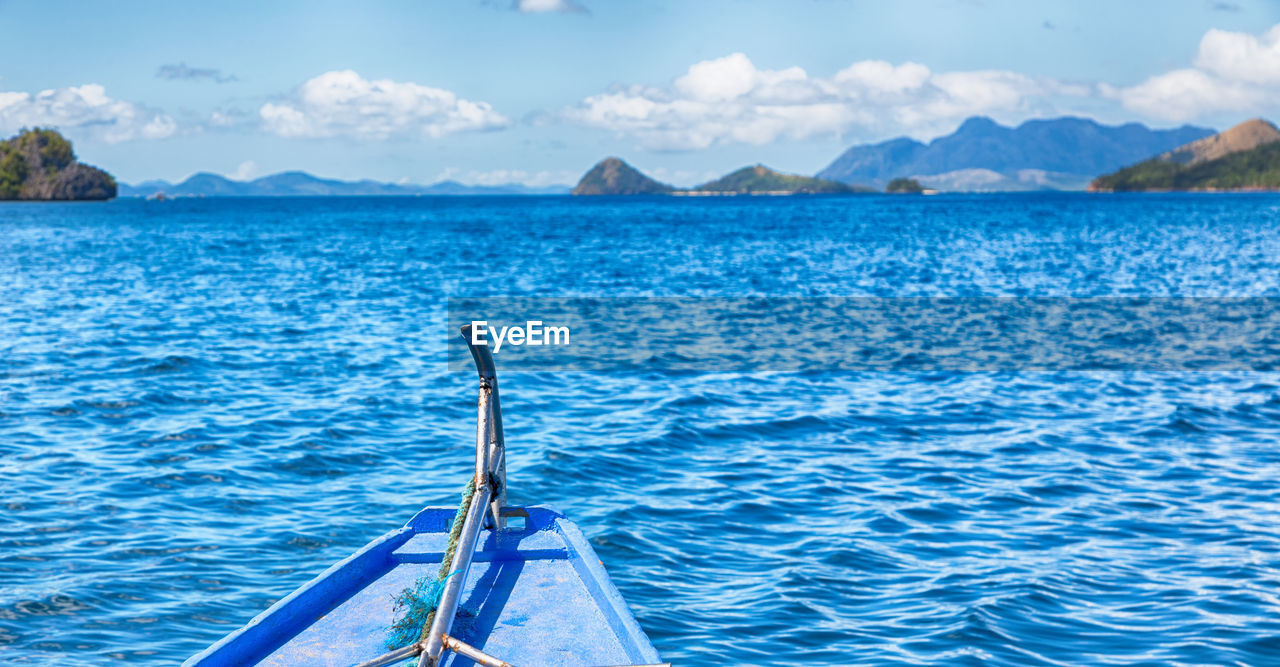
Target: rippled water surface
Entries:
(204, 403)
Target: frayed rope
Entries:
(419, 602)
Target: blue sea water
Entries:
(204, 403)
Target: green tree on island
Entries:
(908, 186)
(39, 164)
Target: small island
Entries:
(761, 180)
(904, 186)
(612, 176)
(39, 165)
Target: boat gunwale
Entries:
(284, 620)
(281, 626)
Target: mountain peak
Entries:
(978, 124)
(1245, 136)
(1245, 157)
(612, 176)
(294, 173)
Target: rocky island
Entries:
(612, 176)
(1245, 157)
(761, 180)
(39, 165)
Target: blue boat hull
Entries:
(536, 595)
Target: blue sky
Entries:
(536, 91)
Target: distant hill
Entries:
(40, 165)
(612, 176)
(763, 180)
(1245, 136)
(302, 184)
(1245, 157)
(1062, 153)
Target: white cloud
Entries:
(533, 179)
(344, 104)
(1233, 72)
(730, 100)
(1236, 56)
(84, 110)
(542, 6)
(1186, 94)
(247, 170)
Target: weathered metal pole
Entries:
(452, 595)
(486, 504)
(495, 451)
(474, 654)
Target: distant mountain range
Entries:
(1245, 157)
(302, 184)
(982, 155)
